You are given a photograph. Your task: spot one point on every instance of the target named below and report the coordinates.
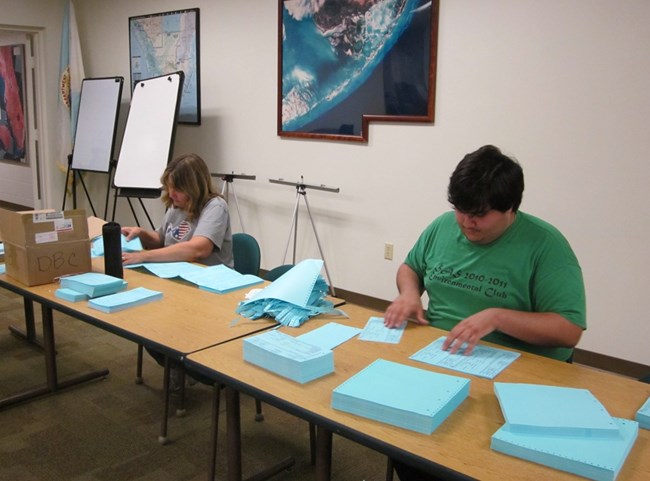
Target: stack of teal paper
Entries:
(220, 279)
(643, 415)
(93, 284)
(70, 295)
(401, 395)
(288, 357)
(124, 300)
(563, 428)
(292, 298)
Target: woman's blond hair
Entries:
(189, 174)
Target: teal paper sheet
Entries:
(97, 246)
(536, 408)
(220, 279)
(330, 335)
(643, 415)
(288, 356)
(168, 270)
(401, 395)
(375, 331)
(595, 457)
(292, 298)
(124, 300)
(93, 284)
(484, 361)
(3, 268)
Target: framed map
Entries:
(164, 43)
(346, 63)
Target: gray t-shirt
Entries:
(213, 223)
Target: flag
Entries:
(71, 74)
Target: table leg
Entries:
(214, 435)
(323, 454)
(29, 334)
(233, 424)
(52, 382)
(162, 438)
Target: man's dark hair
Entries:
(486, 179)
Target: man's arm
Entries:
(409, 303)
(538, 328)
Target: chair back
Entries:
(246, 253)
(276, 272)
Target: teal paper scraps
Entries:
(293, 298)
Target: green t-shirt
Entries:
(531, 268)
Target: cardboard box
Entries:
(41, 246)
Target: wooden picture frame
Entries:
(345, 64)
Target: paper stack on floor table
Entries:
(293, 297)
(643, 415)
(124, 300)
(401, 395)
(564, 428)
(93, 284)
(288, 357)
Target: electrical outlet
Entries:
(388, 251)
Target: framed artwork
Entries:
(345, 63)
(164, 43)
(13, 126)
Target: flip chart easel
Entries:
(148, 140)
(94, 140)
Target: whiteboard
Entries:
(148, 139)
(94, 139)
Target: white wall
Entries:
(562, 85)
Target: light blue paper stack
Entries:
(293, 298)
(124, 300)
(643, 415)
(220, 279)
(288, 357)
(564, 428)
(401, 395)
(91, 284)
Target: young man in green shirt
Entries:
(491, 271)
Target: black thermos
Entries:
(112, 234)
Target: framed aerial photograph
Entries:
(345, 63)
(13, 125)
(164, 43)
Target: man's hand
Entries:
(470, 331)
(403, 308)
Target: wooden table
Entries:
(459, 448)
(185, 320)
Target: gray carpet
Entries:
(107, 430)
